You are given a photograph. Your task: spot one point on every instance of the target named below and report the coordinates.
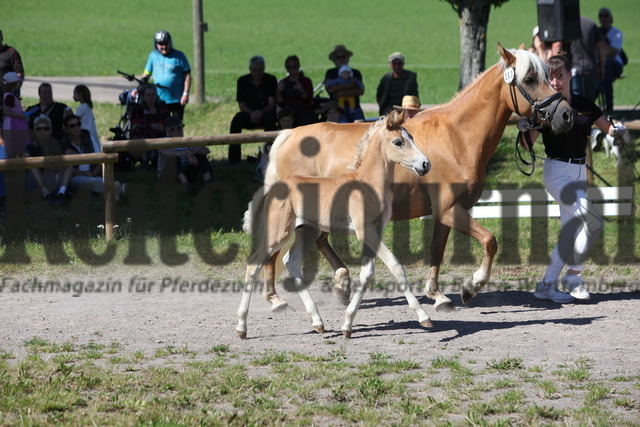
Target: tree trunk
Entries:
(474, 19)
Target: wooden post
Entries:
(199, 28)
(109, 200)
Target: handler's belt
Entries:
(573, 160)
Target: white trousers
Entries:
(581, 222)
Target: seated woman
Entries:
(52, 181)
(295, 92)
(78, 141)
(184, 164)
(147, 121)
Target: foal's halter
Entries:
(539, 115)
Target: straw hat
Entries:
(339, 48)
(409, 102)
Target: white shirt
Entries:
(614, 37)
(88, 122)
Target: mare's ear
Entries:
(522, 46)
(507, 56)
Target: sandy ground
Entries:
(155, 307)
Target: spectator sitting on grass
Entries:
(184, 164)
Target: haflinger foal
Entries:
(358, 202)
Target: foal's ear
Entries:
(507, 56)
(395, 119)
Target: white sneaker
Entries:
(575, 286)
(551, 293)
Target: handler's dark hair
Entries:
(558, 64)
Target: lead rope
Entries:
(519, 157)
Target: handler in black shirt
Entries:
(564, 177)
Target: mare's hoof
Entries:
(347, 334)
(466, 295)
(319, 329)
(341, 296)
(242, 335)
(426, 324)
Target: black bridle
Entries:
(539, 115)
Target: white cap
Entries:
(535, 31)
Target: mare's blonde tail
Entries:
(270, 178)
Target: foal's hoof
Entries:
(444, 306)
(277, 304)
(319, 329)
(426, 324)
(242, 335)
(347, 334)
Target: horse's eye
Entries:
(398, 142)
(530, 81)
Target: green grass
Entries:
(279, 387)
(98, 38)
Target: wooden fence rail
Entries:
(160, 143)
(110, 156)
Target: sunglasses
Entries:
(40, 129)
(397, 62)
(604, 15)
(73, 125)
(341, 56)
(292, 67)
(162, 44)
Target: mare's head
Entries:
(528, 93)
(396, 144)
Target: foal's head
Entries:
(395, 144)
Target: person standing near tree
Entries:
(587, 59)
(613, 52)
(169, 68)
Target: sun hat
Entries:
(409, 102)
(394, 56)
(11, 77)
(535, 32)
(339, 48)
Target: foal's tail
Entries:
(270, 177)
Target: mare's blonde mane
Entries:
(525, 62)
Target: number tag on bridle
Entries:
(510, 76)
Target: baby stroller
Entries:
(128, 98)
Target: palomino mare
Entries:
(459, 138)
(358, 202)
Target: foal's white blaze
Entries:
(420, 164)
